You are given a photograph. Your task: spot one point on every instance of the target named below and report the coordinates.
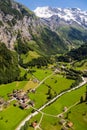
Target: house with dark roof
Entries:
(23, 105)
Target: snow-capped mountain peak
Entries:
(44, 12)
(67, 14)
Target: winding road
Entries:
(50, 102)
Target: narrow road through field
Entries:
(43, 80)
(68, 109)
(50, 102)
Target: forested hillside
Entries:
(9, 70)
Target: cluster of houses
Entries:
(3, 103)
(63, 122)
(22, 98)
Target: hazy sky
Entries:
(32, 4)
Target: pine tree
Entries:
(86, 94)
(81, 99)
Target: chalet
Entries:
(19, 96)
(25, 99)
(23, 105)
(29, 90)
(33, 90)
(16, 104)
(69, 124)
(65, 109)
(14, 91)
(10, 95)
(34, 124)
(62, 122)
(31, 103)
(35, 80)
(57, 71)
(1, 101)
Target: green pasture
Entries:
(40, 74)
(78, 115)
(29, 56)
(81, 65)
(67, 100)
(40, 97)
(11, 116)
(58, 83)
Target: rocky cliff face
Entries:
(16, 21)
(19, 19)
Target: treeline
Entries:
(75, 75)
(9, 70)
(75, 54)
(39, 62)
(21, 47)
(79, 54)
(75, 34)
(25, 127)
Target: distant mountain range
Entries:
(67, 15)
(69, 23)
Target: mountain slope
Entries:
(75, 54)
(17, 21)
(69, 23)
(9, 70)
(79, 54)
(23, 33)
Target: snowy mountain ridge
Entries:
(67, 14)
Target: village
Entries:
(24, 102)
(22, 98)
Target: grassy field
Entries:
(25, 72)
(30, 85)
(66, 100)
(29, 56)
(40, 97)
(40, 74)
(11, 117)
(81, 65)
(58, 83)
(77, 115)
(22, 72)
